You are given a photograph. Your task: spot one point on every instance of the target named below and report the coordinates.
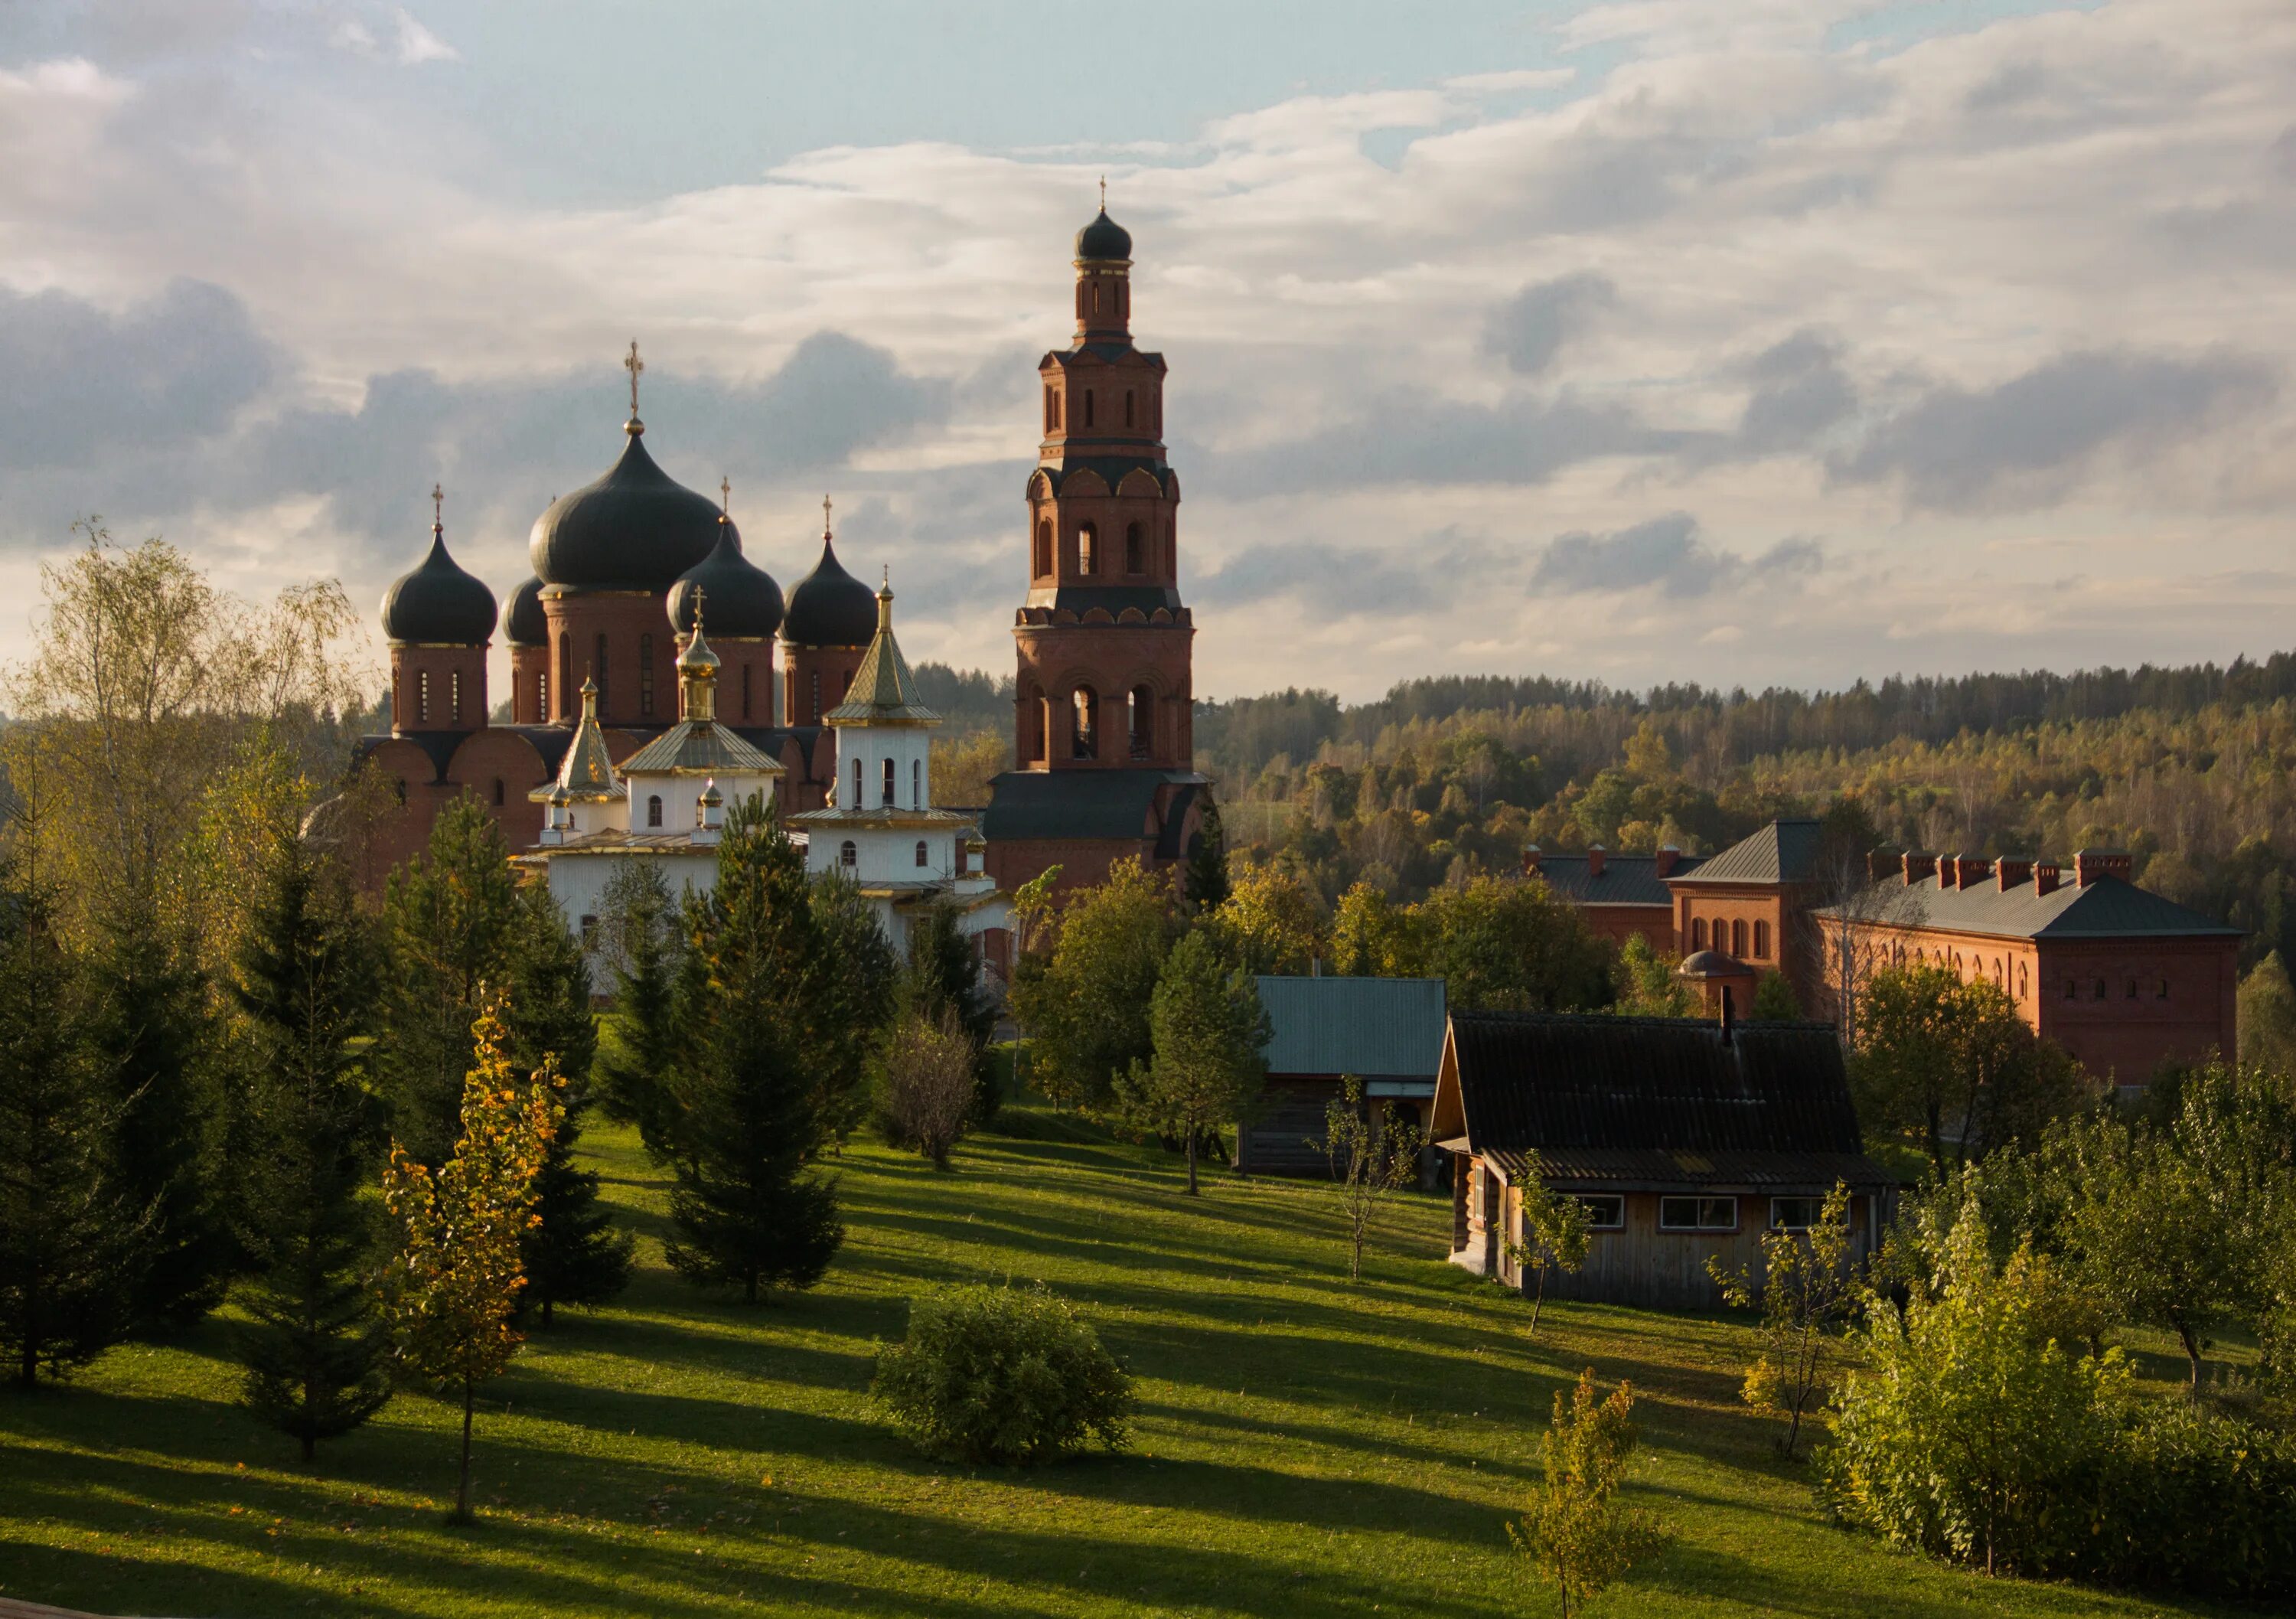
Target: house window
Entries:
(1132, 548)
(847, 856)
(653, 809)
(1761, 941)
(499, 793)
(887, 797)
(1697, 1213)
(1088, 542)
(455, 696)
(1795, 1213)
(1042, 563)
(1698, 933)
(1605, 1212)
(920, 853)
(589, 935)
(422, 698)
(1737, 938)
(916, 783)
(645, 676)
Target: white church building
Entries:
(667, 803)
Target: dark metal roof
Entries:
(1080, 804)
(740, 600)
(829, 607)
(1559, 1082)
(2109, 907)
(438, 604)
(1112, 469)
(635, 529)
(550, 742)
(1113, 599)
(1104, 238)
(524, 623)
(1626, 879)
(1373, 1028)
(1783, 851)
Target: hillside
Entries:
(1305, 1447)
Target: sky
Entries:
(1757, 342)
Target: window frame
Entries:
(1815, 1206)
(1701, 1226)
(923, 857)
(1594, 1220)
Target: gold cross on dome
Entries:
(437, 505)
(1104, 193)
(824, 515)
(633, 365)
(726, 496)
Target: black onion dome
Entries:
(829, 607)
(636, 529)
(523, 624)
(1104, 238)
(438, 604)
(739, 599)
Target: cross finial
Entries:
(698, 594)
(725, 496)
(633, 365)
(438, 509)
(824, 517)
(1104, 193)
(889, 576)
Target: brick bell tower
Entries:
(1104, 729)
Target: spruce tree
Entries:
(315, 1349)
(943, 981)
(637, 1043)
(448, 918)
(747, 1209)
(573, 1254)
(1206, 881)
(66, 1234)
(849, 1009)
(153, 1041)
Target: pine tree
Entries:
(152, 1039)
(573, 1255)
(747, 1209)
(65, 1233)
(637, 1045)
(1211, 1036)
(316, 1350)
(448, 918)
(1207, 885)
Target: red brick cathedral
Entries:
(1102, 735)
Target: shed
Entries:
(1387, 1031)
(1686, 1139)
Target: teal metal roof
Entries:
(1373, 1028)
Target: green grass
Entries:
(1304, 1446)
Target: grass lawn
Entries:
(1304, 1446)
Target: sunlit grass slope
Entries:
(1304, 1446)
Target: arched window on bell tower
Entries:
(1088, 548)
(1088, 392)
(1041, 561)
(1132, 548)
(1084, 741)
(1144, 721)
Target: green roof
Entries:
(884, 691)
(1373, 1028)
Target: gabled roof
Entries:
(2108, 907)
(1561, 1083)
(698, 747)
(1373, 1028)
(884, 691)
(1626, 879)
(1783, 851)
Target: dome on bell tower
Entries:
(740, 600)
(1104, 238)
(437, 604)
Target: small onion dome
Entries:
(438, 604)
(636, 529)
(829, 607)
(1104, 238)
(697, 655)
(739, 598)
(523, 624)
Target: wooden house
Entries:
(1388, 1032)
(1685, 1139)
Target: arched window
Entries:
(812, 713)
(847, 856)
(1088, 392)
(1127, 408)
(745, 691)
(455, 696)
(2072, 990)
(645, 676)
(499, 794)
(2099, 990)
(921, 851)
(1083, 741)
(887, 797)
(1048, 408)
(653, 809)
(2132, 989)
(423, 697)
(1144, 721)
(1737, 938)
(857, 785)
(916, 783)
(1698, 933)
(1761, 941)
(1087, 544)
(2160, 990)
(565, 675)
(598, 671)
(1032, 724)
(1041, 563)
(1132, 548)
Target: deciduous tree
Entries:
(1807, 1292)
(1369, 1157)
(1555, 1232)
(1085, 1001)
(1575, 1533)
(929, 1083)
(1210, 1038)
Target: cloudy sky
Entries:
(1743, 340)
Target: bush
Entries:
(2198, 1503)
(996, 1375)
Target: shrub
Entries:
(929, 1092)
(2198, 1502)
(1003, 1376)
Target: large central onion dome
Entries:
(829, 607)
(438, 604)
(739, 601)
(636, 529)
(523, 623)
(1104, 238)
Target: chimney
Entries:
(1530, 858)
(1668, 858)
(2045, 876)
(1962, 871)
(1917, 865)
(1877, 865)
(2090, 864)
(1594, 857)
(2012, 871)
(1729, 1015)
